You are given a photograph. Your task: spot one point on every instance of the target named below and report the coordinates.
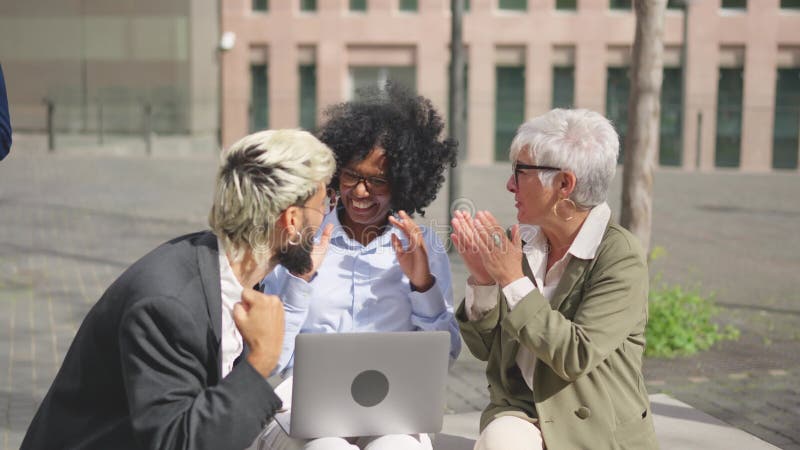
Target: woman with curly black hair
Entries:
(382, 271)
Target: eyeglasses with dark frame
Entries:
(328, 205)
(518, 167)
(350, 178)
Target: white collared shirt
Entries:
(231, 290)
(481, 299)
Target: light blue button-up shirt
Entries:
(362, 288)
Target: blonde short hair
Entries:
(259, 177)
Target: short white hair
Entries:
(576, 140)
(259, 177)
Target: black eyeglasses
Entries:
(518, 167)
(376, 185)
(328, 204)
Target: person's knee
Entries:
(399, 442)
(329, 443)
(507, 433)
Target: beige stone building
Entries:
(107, 65)
(740, 109)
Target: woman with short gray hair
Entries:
(558, 308)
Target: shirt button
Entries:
(583, 412)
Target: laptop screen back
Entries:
(368, 384)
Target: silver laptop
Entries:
(367, 384)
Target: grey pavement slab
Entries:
(72, 221)
(678, 427)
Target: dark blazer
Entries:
(5, 119)
(144, 369)
(588, 390)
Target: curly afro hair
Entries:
(407, 127)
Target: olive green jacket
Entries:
(588, 391)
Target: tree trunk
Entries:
(644, 110)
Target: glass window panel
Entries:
(308, 5)
(260, 5)
(618, 88)
(308, 97)
(259, 98)
(734, 4)
(786, 134)
(675, 4)
(567, 4)
(358, 5)
(408, 5)
(563, 87)
(509, 108)
(515, 5)
(729, 118)
(376, 77)
(671, 134)
(790, 4)
(621, 4)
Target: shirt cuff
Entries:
(297, 292)
(517, 290)
(429, 303)
(479, 300)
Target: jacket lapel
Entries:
(208, 262)
(572, 274)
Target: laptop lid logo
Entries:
(369, 388)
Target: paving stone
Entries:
(71, 223)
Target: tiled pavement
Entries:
(72, 221)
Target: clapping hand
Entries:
(488, 254)
(414, 259)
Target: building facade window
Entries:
(790, 4)
(259, 98)
(675, 4)
(408, 5)
(734, 4)
(513, 5)
(308, 97)
(563, 87)
(729, 117)
(569, 5)
(618, 87)
(308, 5)
(509, 110)
(786, 134)
(260, 5)
(621, 4)
(358, 5)
(671, 134)
(370, 77)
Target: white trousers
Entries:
(274, 438)
(510, 433)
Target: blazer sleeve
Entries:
(479, 335)
(613, 305)
(165, 367)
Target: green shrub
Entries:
(680, 323)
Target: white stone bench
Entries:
(678, 427)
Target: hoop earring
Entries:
(555, 209)
(296, 241)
